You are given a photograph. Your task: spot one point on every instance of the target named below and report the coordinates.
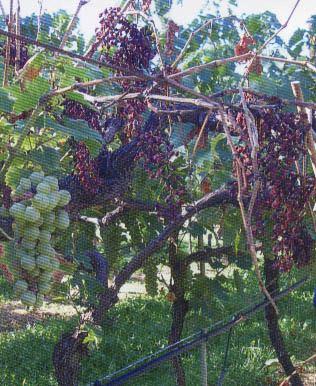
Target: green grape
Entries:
(17, 211)
(25, 184)
(31, 257)
(32, 214)
(28, 298)
(62, 221)
(20, 286)
(44, 262)
(64, 198)
(18, 230)
(31, 233)
(54, 263)
(53, 199)
(45, 236)
(45, 276)
(36, 177)
(52, 182)
(49, 219)
(46, 249)
(28, 263)
(44, 288)
(19, 190)
(28, 244)
(41, 202)
(43, 188)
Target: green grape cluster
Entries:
(151, 283)
(37, 219)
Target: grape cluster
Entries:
(243, 47)
(38, 214)
(151, 273)
(285, 192)
(146, 5)
(86, 169)
(172, 29)
(133, 46)
(124, 44)
(76, 110)
(156, 152)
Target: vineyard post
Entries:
(203, 348)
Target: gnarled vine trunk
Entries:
(180, 305)
(67, 357)
(276, 338)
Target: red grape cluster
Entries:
(172, 29)
(124, 44)
(146, 5)
(156, 153)
(243, 47)
(86, 169)
(284, 190)
(76, 110)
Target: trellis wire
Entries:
(152, 361)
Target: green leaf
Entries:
(30, 96)
(6, 101)
(47, 157)
(78, 129)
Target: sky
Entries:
(181, 14)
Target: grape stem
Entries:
(17, 41)
(6, 235)
(2, 10)
(39, 18)
(72, 23)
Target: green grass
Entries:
(138, 327)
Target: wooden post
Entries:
(203, 355)
(297, 91)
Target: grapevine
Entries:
(38, 216)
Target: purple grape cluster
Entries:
(133, 47)
(146, 5)
(122, 43)
(76, 110)
(86, 169)
(284, 190)
(156, 152)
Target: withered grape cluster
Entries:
(132, 48)
(76, 110)
(156, 151)
(172, 29)
(86, 169)
(285, 190)
(146, 5)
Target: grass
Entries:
(137, 327)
